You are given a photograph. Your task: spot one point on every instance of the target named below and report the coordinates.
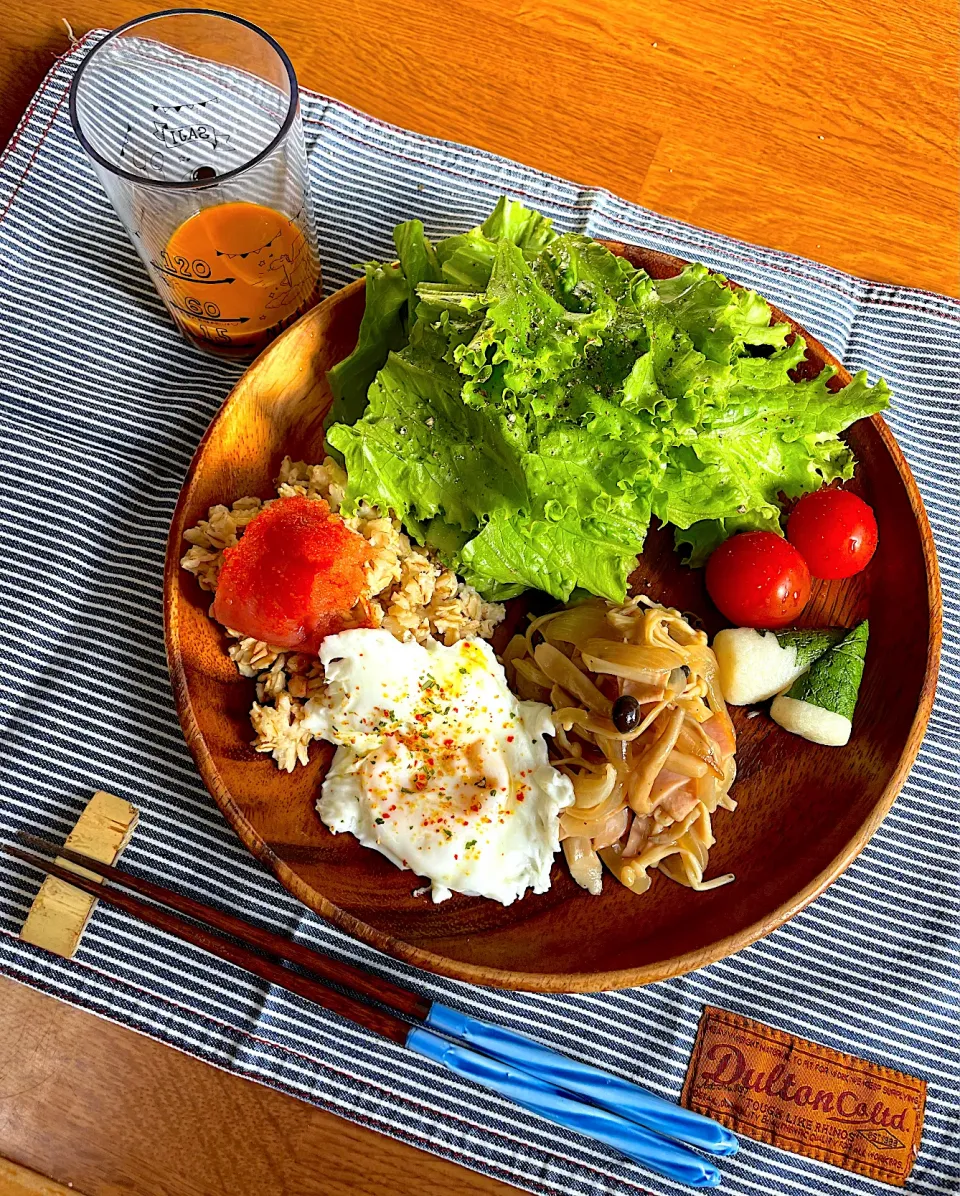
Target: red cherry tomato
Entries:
(835, 531)
(757, 579)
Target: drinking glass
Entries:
(191, 119)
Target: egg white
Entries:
(439, 767)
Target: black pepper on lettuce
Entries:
(526, 402)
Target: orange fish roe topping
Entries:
(296, 576)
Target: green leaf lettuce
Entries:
(527, 402)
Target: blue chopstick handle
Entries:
(646, 1148)
(610, 1092)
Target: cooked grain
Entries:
(409, 592)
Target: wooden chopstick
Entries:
(573, 1094)
(331, 970)
(380, 1021)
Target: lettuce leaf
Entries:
(382, 328)
(507, 558)
(421, 452)
(526, 402)
(468, 259)
(769, 442)
(418, 258)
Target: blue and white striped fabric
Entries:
(102, 406)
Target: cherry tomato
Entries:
(835, 531)
(757, 579)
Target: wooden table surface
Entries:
(826, 129)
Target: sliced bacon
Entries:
(719, 731)
(680, 801)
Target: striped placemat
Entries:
(102, 405)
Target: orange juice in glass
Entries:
(191, 119)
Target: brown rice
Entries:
(410, 593)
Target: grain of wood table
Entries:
(825, 129)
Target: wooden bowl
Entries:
(804, 813)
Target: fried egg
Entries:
(438, 766)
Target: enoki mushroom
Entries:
(648, 771)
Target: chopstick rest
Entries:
(648, 1149)
(60, 911)
(608, 1091)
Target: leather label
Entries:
(806, 1098)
